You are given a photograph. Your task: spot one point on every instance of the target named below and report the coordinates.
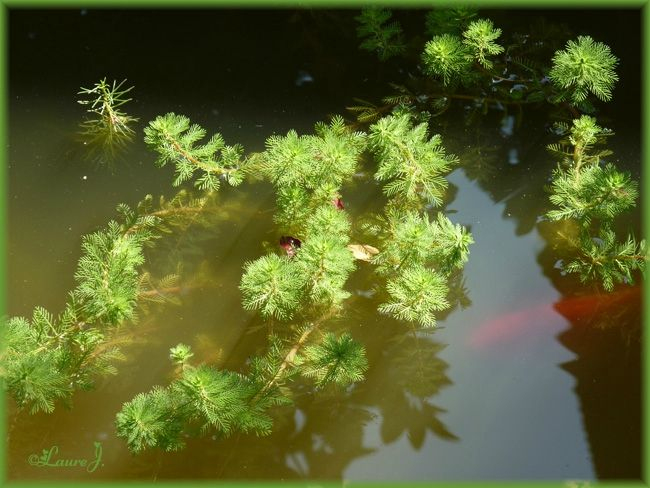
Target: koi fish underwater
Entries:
(576, 309)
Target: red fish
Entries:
(505, 328)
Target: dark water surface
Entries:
(506, 388)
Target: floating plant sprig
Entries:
(109, 129)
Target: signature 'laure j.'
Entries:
(49, 457)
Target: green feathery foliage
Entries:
(329, 157)
(205, 397)
(413, 165)
(325, 263)
(180, 354)
(577, 147)
(339, 360)
(308, 171)
(585, 190)
(479, 37)
(273, 285)
(223, 402)
(410, 239)
(607, 260)
(107, 275)
(379, 36)
(32, 373)
(594, 192)
(584, 66)
(451, 58)
(48, 358)
(415, 294)
(175, 139)
(449, 20)
(109, 129)
(447, 57)
(327, 220)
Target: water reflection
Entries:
(413, 366)
(604, 332)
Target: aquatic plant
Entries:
(109, 129)
(587, 189)
(300, 286)
(452, 58)
(463, 61)
(379, 35)
(466, 58)
(174, 139)
(48, 358)
(584, 67)
(412, 164)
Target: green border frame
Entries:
(6, 5)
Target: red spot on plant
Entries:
(338, 203)
(290, 244)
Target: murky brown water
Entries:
(547, 397)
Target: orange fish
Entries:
(576, 309)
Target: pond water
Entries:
(506, 387)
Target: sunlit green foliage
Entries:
(224, 402)
(448, 57)
(609, 261)
(413, 164)
(32, 376)
(203, 397)
(577, 147)
(329, 221)
(175, 140)
(584, 66)
(415, 294)
(48, 358)
(273, 285)
(379, 35)
(451, 58)
(308, 171)
(325, 263)
(595, 192)
(107, 275)
(479, 37)
(340, 360)
(411, 239)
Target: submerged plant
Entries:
(379, 35)
(47, 358)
